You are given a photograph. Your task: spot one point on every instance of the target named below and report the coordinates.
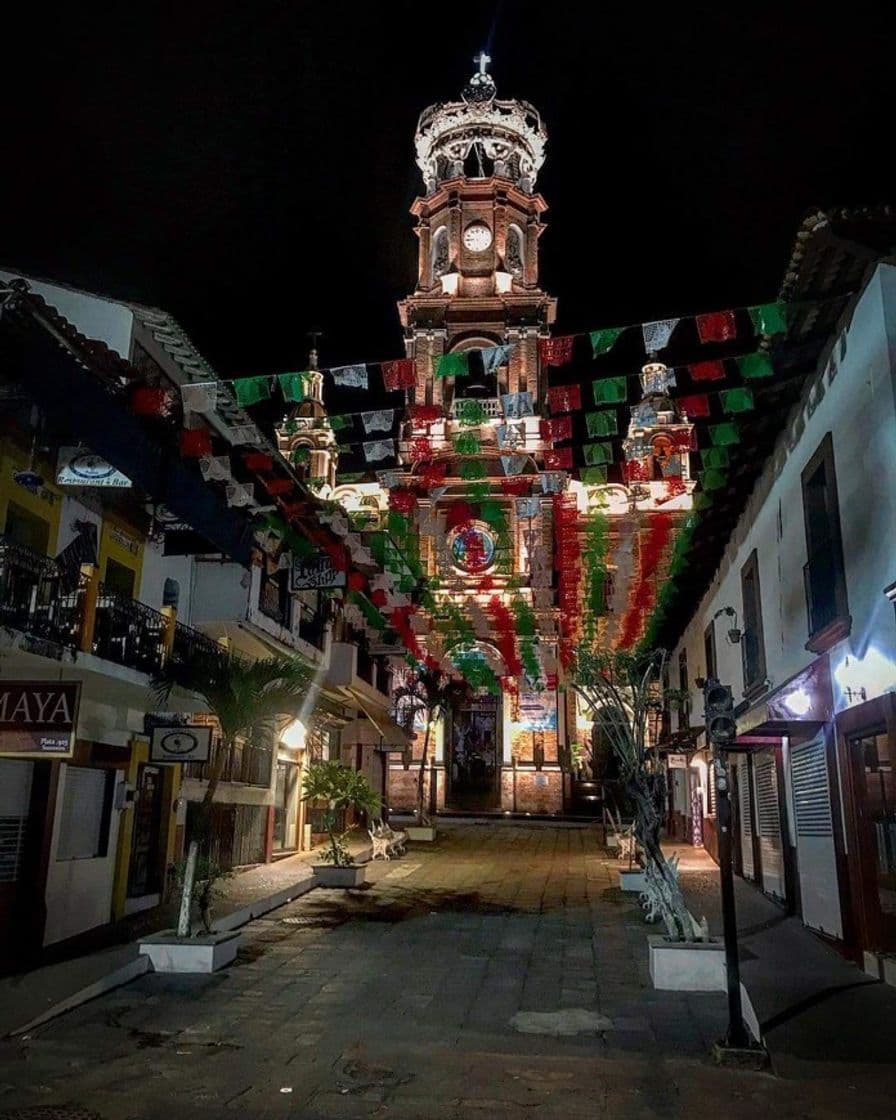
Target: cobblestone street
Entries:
(498, 972)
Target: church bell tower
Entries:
(478, 227)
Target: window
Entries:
(684, 706)
(514, 253)
(753, 641)
(274, 599)
(439, 253)
(86, 812)
(171, 593)
(709, 648)
(119, 579)
(824, 576)
(26, 529)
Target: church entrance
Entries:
(474, 755)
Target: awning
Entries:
(376, 729)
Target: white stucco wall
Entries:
(156, 569)
(94, 316)
(853, 398)
(79, 891)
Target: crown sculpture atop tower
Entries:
(507, 138)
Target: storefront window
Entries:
(880, 813)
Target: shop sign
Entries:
(315, 572)
(537, 711)
(180, 744)
(677, 761)
(79, 467)
(38, 718)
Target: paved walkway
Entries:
(499, 972)
(809, 1000)
(28, 996)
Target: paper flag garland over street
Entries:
(455, 364)
(495, 357)
(736, 400)
(517, 405)
(201, 396)
(378, 421)
(350, 377)
(555, 351)
(378, 449)
(215, 468)
(604, 340)
(602, 423)
(656, 335)
(513, 464)
(768, 318)
(240, 493)
(695, 405)
(559, 459)
(755, 366)
(718, 326)
(399, 374)
(597, 454)
(251, 390)
(292, 386)
(610, 390)
(564, 398)
(707, 371)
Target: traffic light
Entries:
(718, 713)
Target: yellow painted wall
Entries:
(121, 543)
(46, 504)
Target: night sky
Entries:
(249, 167)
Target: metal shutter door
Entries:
(81, 820)
(746, 820)
(816, 858)
(769, 822)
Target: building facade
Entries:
(799, 619)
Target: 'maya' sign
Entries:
(38, 718)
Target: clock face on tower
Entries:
(477, 237)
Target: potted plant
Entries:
(339, 788)
(621, 689)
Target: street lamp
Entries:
(721, 731)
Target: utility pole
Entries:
(721, 729)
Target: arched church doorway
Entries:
(473, 753)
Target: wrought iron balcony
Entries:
(32, 599)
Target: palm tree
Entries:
(246, 697)
(432, 692)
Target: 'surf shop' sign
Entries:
(38, 718)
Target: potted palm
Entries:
(339, 788)
(247, 698)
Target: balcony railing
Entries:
(491, 406)
(91, 619)
(31, 596)
(246, 763)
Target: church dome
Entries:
(505, 138)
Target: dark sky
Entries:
(249, 166)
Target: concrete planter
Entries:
(687, 966)
(329, 876)
(427, 833)
(634, 881)
(206, 953)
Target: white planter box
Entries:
(613, 842)
(328, 876)
(426, 833)
(206, 953)
(634, 881)
(687, 966)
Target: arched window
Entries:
(171, 593)
(514, 254)
(439, 253)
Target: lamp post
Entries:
(721, 729)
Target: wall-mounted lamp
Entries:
(853, 694)
(734, 634)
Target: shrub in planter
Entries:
(339, 787)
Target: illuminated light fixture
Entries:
(293, 735)
(798, 702)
